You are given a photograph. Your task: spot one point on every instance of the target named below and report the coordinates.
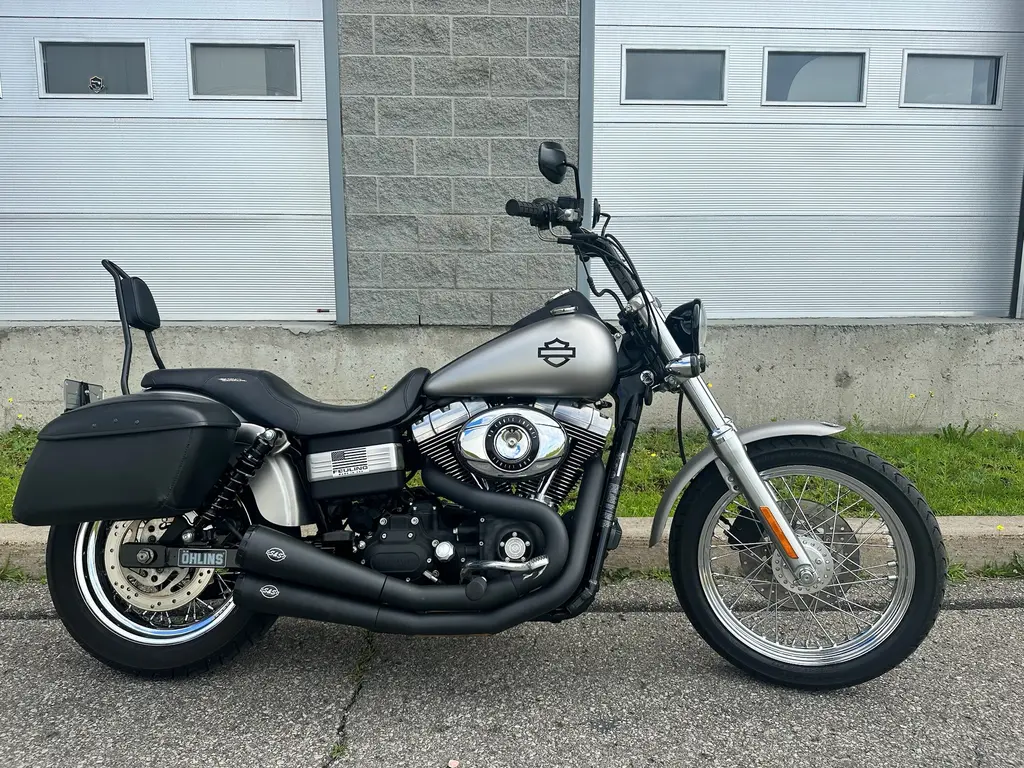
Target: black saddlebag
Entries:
(128, 458)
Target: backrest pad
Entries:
(139, 305)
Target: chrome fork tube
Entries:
(726, 443)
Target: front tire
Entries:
(874, 540)
(200, 630)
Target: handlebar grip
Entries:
(525, 210)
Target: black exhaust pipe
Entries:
(274, 555)
(556, 538)
(267, 552)
(279, 597)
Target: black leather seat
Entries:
(270, 401)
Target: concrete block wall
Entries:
(444, 103)
(894, 375)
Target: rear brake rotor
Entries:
(150, 589)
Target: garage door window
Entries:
(268, 71)
(671, 76)
(814, 78)
(93, 69)
(939, 80)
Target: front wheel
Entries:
(872, 538)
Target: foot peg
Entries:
(531, 565)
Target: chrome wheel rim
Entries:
(196, 613)
(867, 570)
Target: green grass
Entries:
(11, 572)
(15, 446)
(961, 470)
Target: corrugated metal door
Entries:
(870, 207)
(221, 205)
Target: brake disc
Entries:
(150, 589)
(814, 523)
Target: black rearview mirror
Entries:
(551, 160)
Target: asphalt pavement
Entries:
(630, 684)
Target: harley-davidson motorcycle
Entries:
(188, 516)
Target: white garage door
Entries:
(818, 159)
(185, 141)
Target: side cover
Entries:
(128, 458)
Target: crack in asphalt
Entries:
(339, 748)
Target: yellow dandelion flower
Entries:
(10, 399)
(1000, 528)
(709, 385)
(912, 395)
(931, 394)
(20, 416)
(385, 387)
(986, 429)
(654, 455)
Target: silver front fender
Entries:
(694, 466)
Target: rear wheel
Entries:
(158, 622)
(873, 541)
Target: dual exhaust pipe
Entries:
(284, 576)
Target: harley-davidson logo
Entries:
(556, 352)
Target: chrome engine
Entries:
(536, 451)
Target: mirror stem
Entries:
(576, 177)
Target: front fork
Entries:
(684, 374)
(743, 476)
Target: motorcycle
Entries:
(185, 518)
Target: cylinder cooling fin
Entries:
(537, 451)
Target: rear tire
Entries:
(913, 532)
(90, 619)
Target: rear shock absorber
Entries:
(236, 478)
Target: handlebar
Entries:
(544, 212)
(527, 210)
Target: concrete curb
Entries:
(975, 541)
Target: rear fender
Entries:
(693, 467)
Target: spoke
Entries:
(807, 479)
(778, 601)
(799, 509)
(862, 581)
(205, 604)
(225, 590)
(817, 596)
(739, 546)
(840, 562)
(741, 578)
(754, 573)
(768, 607)
(835, 517)
(814, 615)
(851, 506)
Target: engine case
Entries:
(404, 542)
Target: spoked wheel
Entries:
(872, 539)
(151, 621)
